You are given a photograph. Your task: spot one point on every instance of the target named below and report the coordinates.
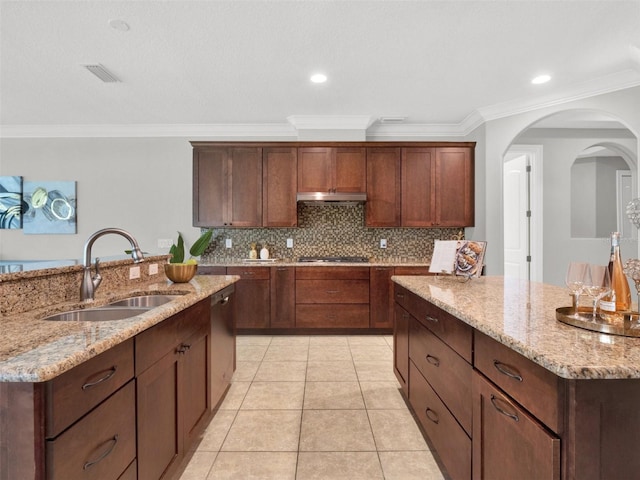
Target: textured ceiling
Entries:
(248, 62)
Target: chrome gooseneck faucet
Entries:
(89, 283)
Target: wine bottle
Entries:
(620, 297)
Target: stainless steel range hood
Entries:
(331, 198)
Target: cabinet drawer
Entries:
(446, 371)
(77, 391)
(155, 342)
(332, 291)
(449, 439)
(250, 273)
(211, 270)
(508, 443)
(330, 316)
(534, 387)
(332, 273)
(101, 445)
(455, 333)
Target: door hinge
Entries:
(528, 258)
(528, 213)
(528, 168)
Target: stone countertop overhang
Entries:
(522, 316)
(36, 350)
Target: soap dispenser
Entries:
(264, 252)
(253, 253)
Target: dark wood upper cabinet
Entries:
(437, 187)
(383, 187)
(227, 187)
(279, 183)
(332, 169)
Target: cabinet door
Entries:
(283, 297)
(194, 383)
(350, 170)
(383, 187)
(401, 347)
(223, 347)
(210, 187)
(253, 306)
(279, 183)
(509, 443)
(160, 444)
(418, 193)
(314, 169)
(454, 187)
(246, 187)
(381, 297)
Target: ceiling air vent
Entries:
(102, 73)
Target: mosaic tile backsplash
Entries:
(329, 230)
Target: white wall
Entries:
(558, 247)
(140, 184)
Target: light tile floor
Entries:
(313, 407)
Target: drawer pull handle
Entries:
(405, 315)
(506, 370)
(433, 416)
(248, 273)
(435, 361)
(399, 295)
(182, 349)
(432, 319)
(225, 300)
(110, 373)
(333, 291)
(494, 402)
(107, 452)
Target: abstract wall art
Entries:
(11, 206)
(51, 207)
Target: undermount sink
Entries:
(146, 301)
(99, 314)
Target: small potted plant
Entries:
(180, 271)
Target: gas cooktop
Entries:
(336, 259)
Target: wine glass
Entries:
(600, 284)
(575, 280)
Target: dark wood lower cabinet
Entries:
(508, 442)
(253, 307)
(283, 297)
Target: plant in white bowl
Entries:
(178, 270)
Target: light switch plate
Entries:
(153, 269)
(228, 243)
(383, 243)
(289, 242)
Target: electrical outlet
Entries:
(228, 243)
(383, 243)
(134, 272)
(153, 269)
(165, 243)
(289, 242)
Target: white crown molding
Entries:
(364, 125)
(607, 84)
(331, 122)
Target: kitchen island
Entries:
(112, 399)
(504, 390)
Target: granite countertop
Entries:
(36, 350)
(521, 315)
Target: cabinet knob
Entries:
(183, 348)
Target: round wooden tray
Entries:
(626, 324)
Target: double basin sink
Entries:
(118, 310)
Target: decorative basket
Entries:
(180, 272)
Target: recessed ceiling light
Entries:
(119, 25)
(541, 79)
(319, 78)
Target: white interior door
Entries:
(516, 225)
